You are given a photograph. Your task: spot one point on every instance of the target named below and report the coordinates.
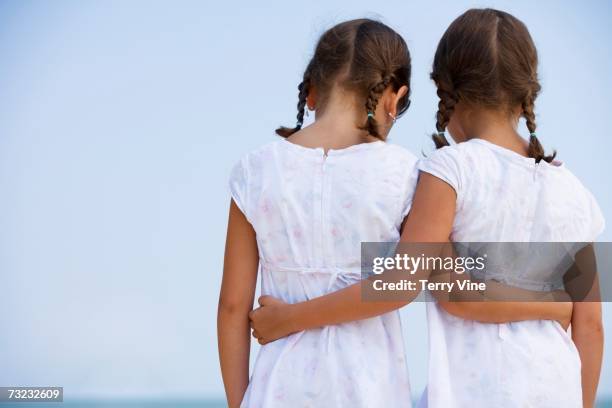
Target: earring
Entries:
(309, 109)
(392, 117)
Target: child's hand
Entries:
(271, 321)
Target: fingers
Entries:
(254, 332)
(264, 300)
(260, 339)
(269, 300)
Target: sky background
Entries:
(119, 123)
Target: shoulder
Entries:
(451, 164)
(566, 178)
(583, 199)
(248, 169)
(460, 159)
(458, 152)
(264, 151)
(400, 153)
(253, 160)
(258, 156)
(447, 157)
(404, 165)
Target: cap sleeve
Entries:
(444, 164)
(238, 186)
(598, 222)
(409, 192)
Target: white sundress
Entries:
(310, 212)
(505, 197)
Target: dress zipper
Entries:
(322, 221)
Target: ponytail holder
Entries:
(441, 133)
(370, 115)
(298, 124)
(532, 134)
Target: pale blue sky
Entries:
(119, 122)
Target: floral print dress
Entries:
(311, 210)
(505, 197)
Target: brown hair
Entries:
(487, 58)
(363, 56)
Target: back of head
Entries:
(487, 58)
(362, 56)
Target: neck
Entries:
(497, 128)
(336, 127)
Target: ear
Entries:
(391, 105)
(311, 99)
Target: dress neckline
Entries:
(335, 152)
(556, 164)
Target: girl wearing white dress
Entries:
(492, 185)
(501, 188)
(300, 208)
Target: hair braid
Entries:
(303, 89)
(374, 95)
(535, 149)
(446, 107)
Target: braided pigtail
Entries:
(374, 95)
(535, 149)
(446, 107)
(303, 89)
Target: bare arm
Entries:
(483, 311)
(235, 303)
(430, 220)
(276, 319)
(587, 333)
(503, 312)
(587, 326)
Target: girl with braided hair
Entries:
(495, 186)
(300, 208)
(491, 186)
